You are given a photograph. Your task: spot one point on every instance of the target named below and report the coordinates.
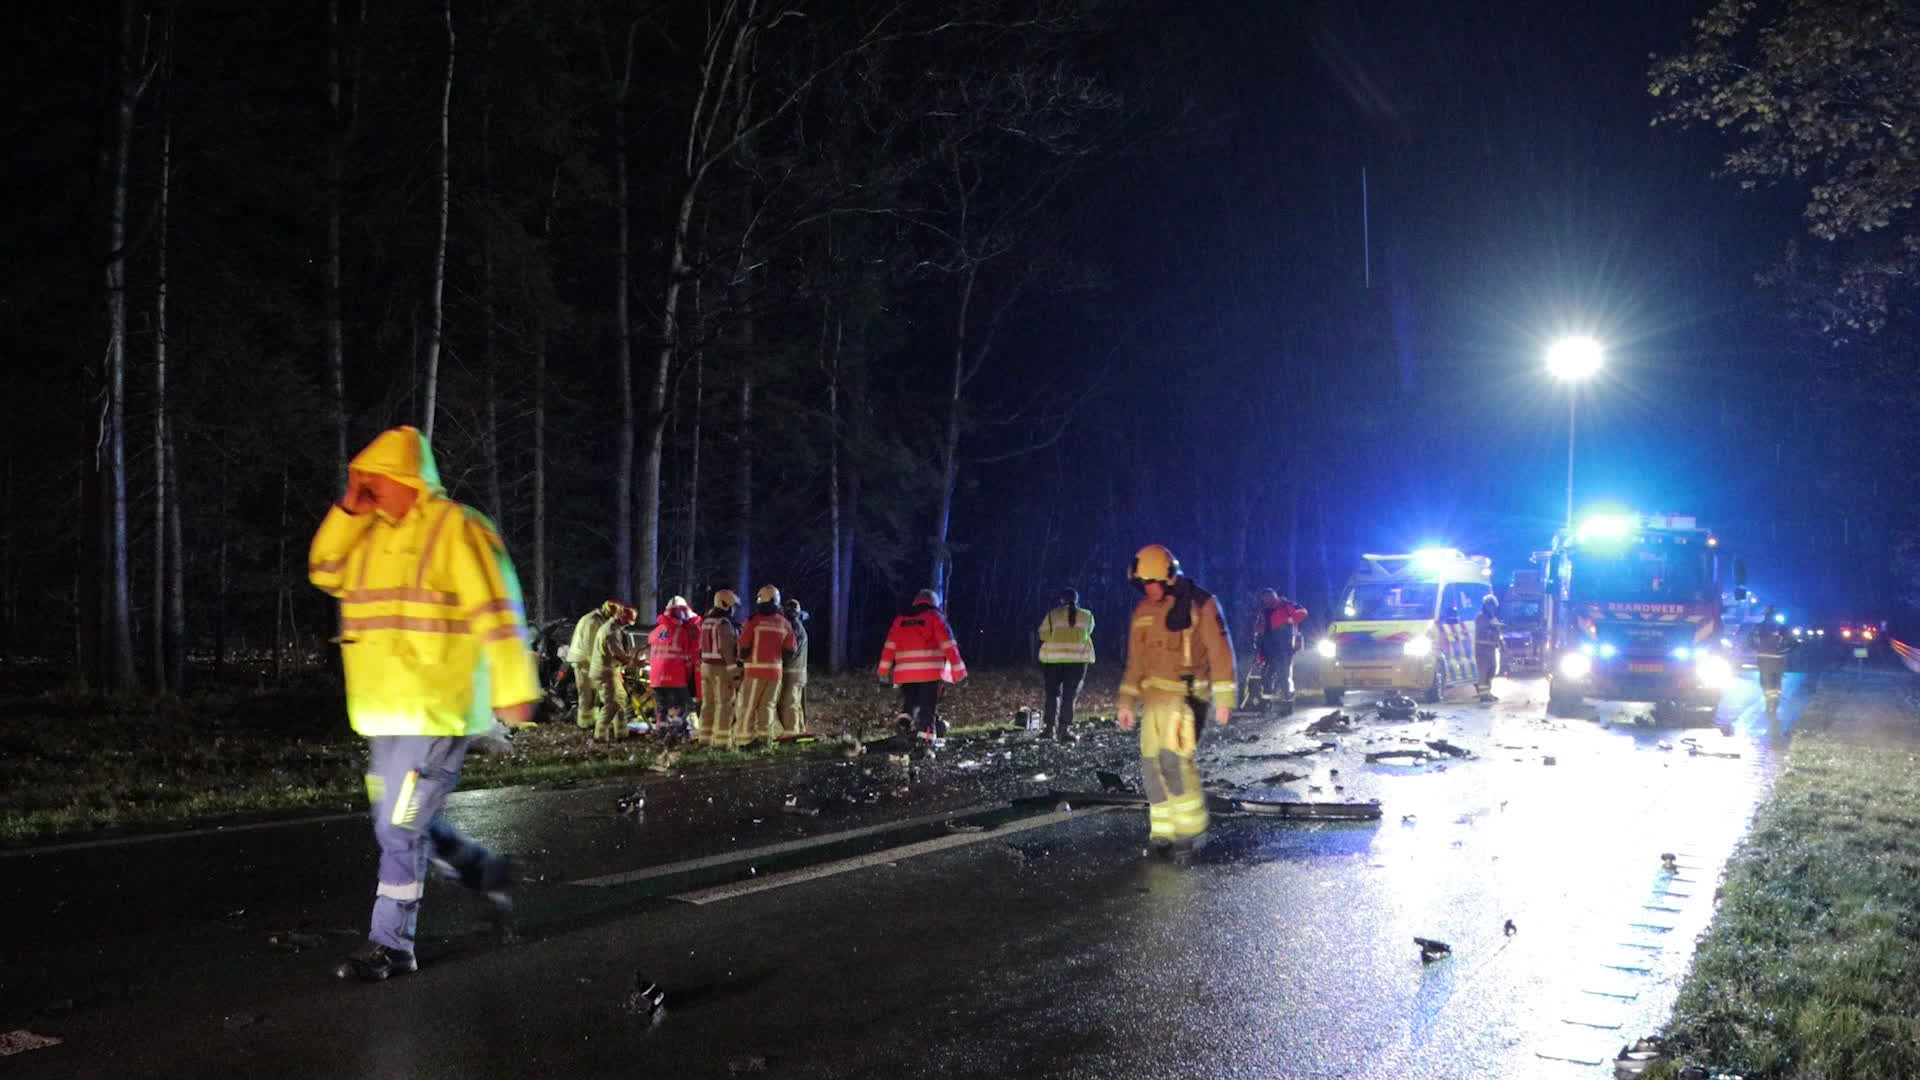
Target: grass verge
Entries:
(71, 766)
(1811, 969)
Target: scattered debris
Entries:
(1025, 720)
(632, 804)
(1431, 950)
(958, 826)
(294, 940)
(747, 1065)
(1447, 748)
(1664, 745)
(1111, 782)
(646, 997)
(794, 806)
(1396, 704)
(1386, 755)
(1282, 777)
(1549, 759)
(1511, 929)
(1425, 715)
(1335, 721)
(1333, 772)
(1063, 807)
(22, 1040)
(241, 1020)
(1408, 819)
(850, 746)
(1669, 862)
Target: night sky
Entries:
(1271, 372)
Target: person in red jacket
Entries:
(1276, 638)
(672, 650)
(765, 643)
(920, 655)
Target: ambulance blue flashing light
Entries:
(1780, 618)
(1434, 558)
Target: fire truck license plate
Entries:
(1860, 651)
(1648, 669)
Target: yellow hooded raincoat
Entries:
(432, 632)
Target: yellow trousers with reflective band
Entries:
(757, 711)
(717, 684)
(1176, 807)
(793, 708)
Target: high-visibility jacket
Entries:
(613, 649)
(764, 644)
(673, 649)
(920, 648)
(432, 634)
(580, 646)
(1179, 644)
(1066, 636)
(719, 639)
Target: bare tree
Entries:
(161, 492)
(440, 251)
(342, 104)
(137, 64)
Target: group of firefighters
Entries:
(435, 651)
(749, 679)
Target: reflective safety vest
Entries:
(767, 638)
(584, 631)
(1062, 642)
(719, 641)
(672, 650)
(920, 649)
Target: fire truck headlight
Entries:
(1714, 671)
(1325, 648)
(1683, 653)
(1417, 646)
(1608, 650)
(1575, 665)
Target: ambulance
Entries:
(1405, 622)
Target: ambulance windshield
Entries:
(1377, 601)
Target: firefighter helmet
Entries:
(625, 615)
(767, 595)
(1153, 563)
(1490, 602)
(726, 599)
(610, 608)
(929, 597)
(679, 605)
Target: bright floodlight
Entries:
(1574, 358)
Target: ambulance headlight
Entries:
(1417, 646)
(1576, 665)
(1325, 648)
(1713, 669)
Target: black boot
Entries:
(1063, 731)
(375, 963)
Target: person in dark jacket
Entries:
(1486, 646)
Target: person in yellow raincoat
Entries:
(1178, 659)
(433, 640)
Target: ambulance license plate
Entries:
(1860, 651)
(1647, 669)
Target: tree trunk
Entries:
(690, 574)
(743, 493)
(836, 578)
(177, 566)
(120, 673)
(490, 438)
(224, 578)
(950, 446)
(440, 251)
(623, 336)
(160, 492)
(281, 616)
(542, 588)
(339, 103)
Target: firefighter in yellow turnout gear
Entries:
(579, 658)
(1178, 659)
(719, 670)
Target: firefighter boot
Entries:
(376, 963)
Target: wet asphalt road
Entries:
(1285, 952)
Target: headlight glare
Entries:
(1325, 648)
(1575, 665)
(1714, 671)
(1417, 646)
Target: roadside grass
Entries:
(1811, 969)
(72, 765)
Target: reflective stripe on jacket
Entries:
(767, 639)
(719, 641)
(920, 648)
(1164, 660)
(1064, 643)
(672, 650)
(580, 646)
(432, 635)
